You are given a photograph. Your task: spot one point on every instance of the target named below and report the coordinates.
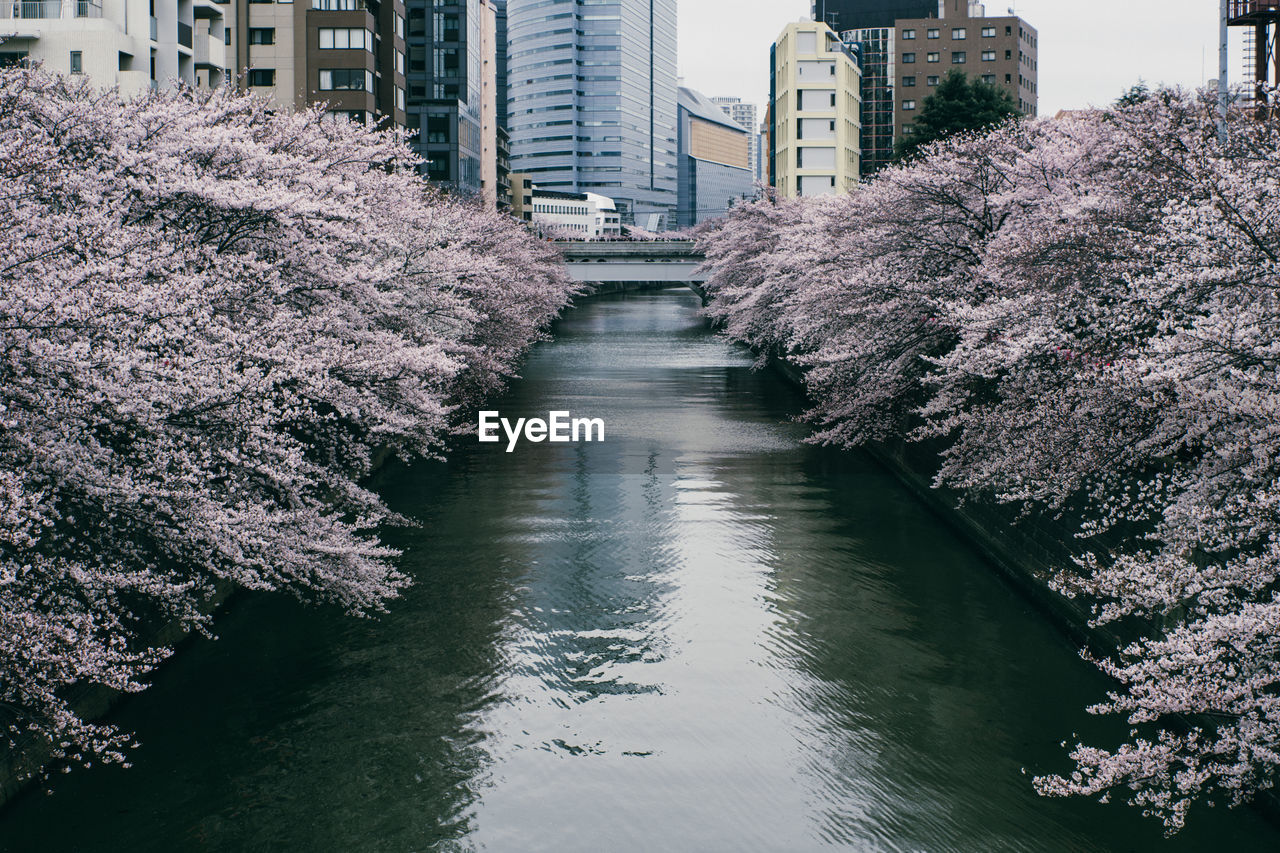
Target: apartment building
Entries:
(999, 50)
(349, 54)
(136, 45)
(715, 160)
(815, 103)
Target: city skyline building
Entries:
(452, 92)
(592, 101)
(748, 117)
(715, 160)
(874, 48)
(1001, 51)
(345, 53)
(137, 45)
(844, 15)
(815, 105)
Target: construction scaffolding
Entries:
(1260, 54)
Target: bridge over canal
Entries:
(626, 265)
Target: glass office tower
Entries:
(843, 15)
(445, 68)
(592, 101)
(875, 51)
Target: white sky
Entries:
(1091, 51)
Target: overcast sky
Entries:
(1091, 51)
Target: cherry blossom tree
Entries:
(213, 318)
(1083, 313)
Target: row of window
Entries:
(562, 209)
(933, 80)
(331, 80)
(957, 33)
(958, 57)
(330, 38)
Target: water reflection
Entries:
(699, 635)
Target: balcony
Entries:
(1249, 12)
(211, 51)
(341, 5)
(50, 9)
(207, 9)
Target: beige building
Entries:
(814, 132)
(349, 54)
(1000, 50)
(134, 44)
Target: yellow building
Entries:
(814, 134)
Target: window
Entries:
(1008, 31)
(959, 33)
(908, 81)
(399, 62)
(908, 58)
(933, 34)
(1008, 78)
(336, 5)
(77, 62)
(932, 80)
(399, 99)
(908, 105)
(1008, 54)
(262, 77)
(908, 35)
(933, 57)
(262, 35)
(345, 78)
(226, 35)
(347, 38)
(958, 57)
(988, 32)
(988, 56)
(989, 79)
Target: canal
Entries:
(699, 635)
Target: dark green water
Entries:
(701, 635)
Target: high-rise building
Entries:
(134, 44)
(877, 58)
(748, 117)
(453, 92)
(500, 17)
(592, 101)
(815, 93)
(715, 165)
(346, 53)
(841, 15)
(1001, 51)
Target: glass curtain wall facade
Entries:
(591, 106)
(874, 49)
(446, 69)
(843, 15)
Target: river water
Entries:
(699, 635)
